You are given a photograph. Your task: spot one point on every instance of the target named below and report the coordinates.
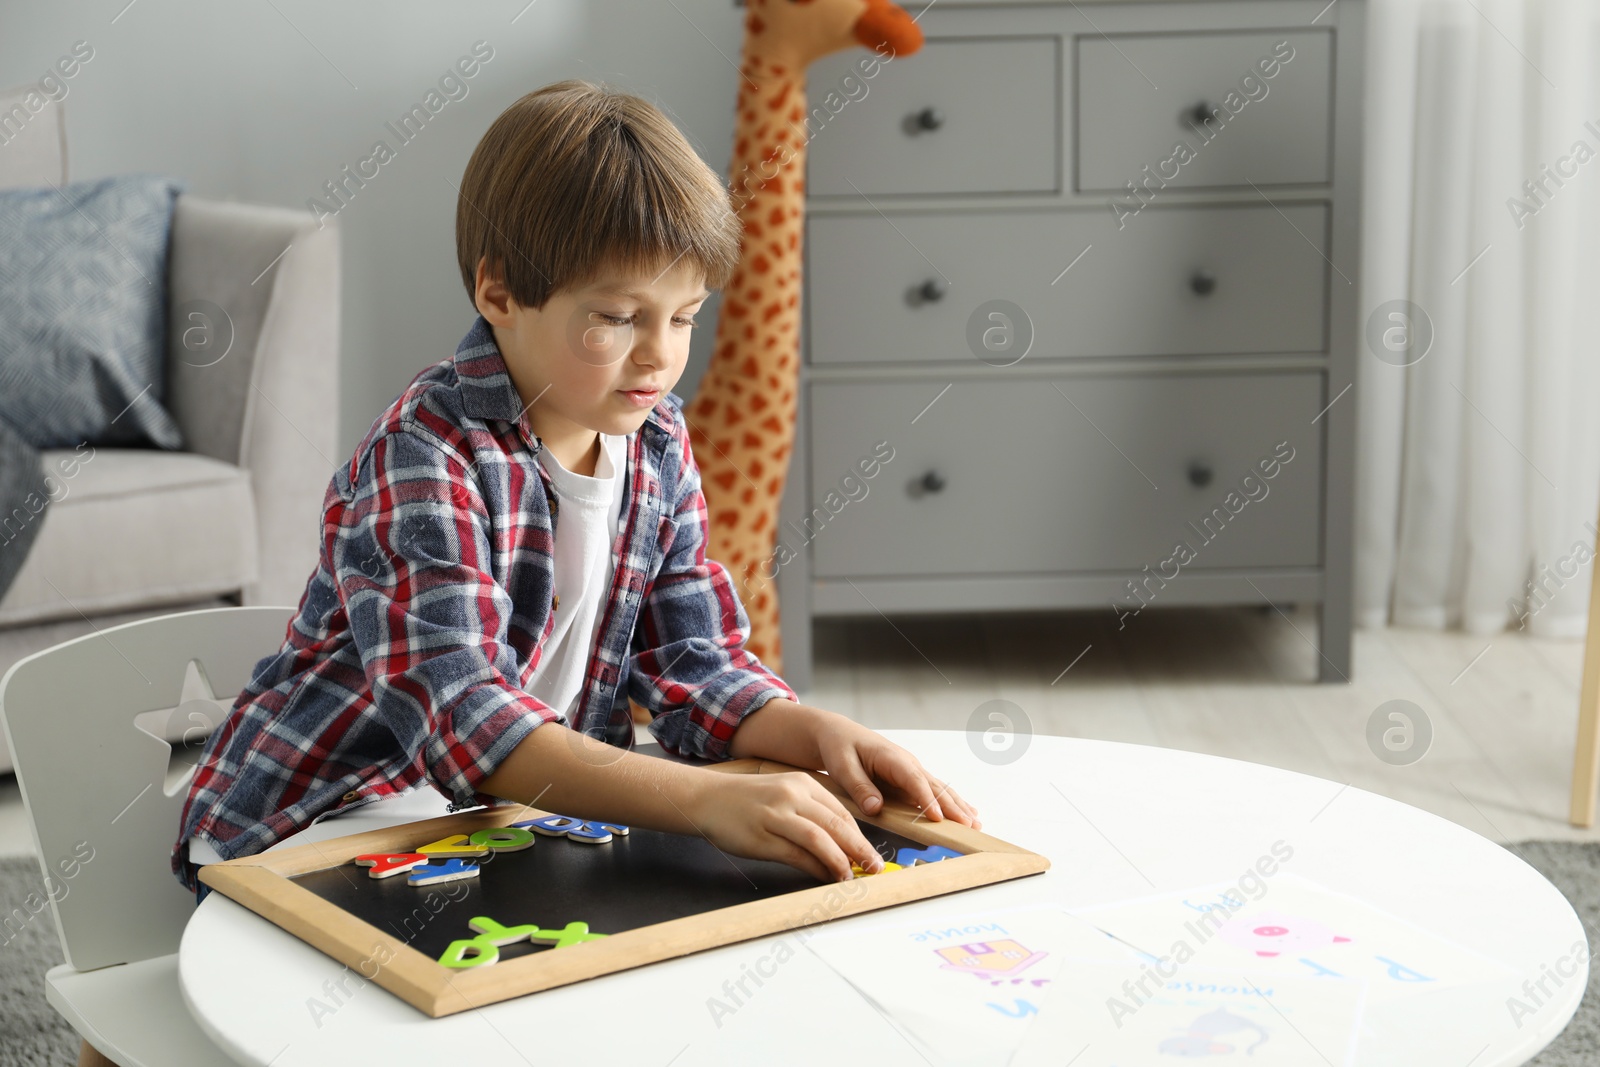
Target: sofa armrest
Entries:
(253, 367)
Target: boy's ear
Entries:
(491, 296)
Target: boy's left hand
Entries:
(859, 759)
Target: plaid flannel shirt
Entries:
(430, 605)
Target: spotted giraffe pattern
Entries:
(742, 418)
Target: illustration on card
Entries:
(1273, 933)
(989, 959)
(1216, 1033)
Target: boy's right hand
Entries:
(787, 817)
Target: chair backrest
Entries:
(33, 144)
(93, 782)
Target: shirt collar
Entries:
(487, 391)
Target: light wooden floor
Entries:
(1240, 683)
(1233, 682)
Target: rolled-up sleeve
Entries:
(412, 558)
(690, 667)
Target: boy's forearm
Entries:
(781, 730)
(561, 770)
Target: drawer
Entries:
(960, 116)
(1027, 484)
(1132, 293)
(1266, 131)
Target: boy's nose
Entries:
(648, 348)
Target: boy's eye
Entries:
(625, 320)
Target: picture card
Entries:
(962, 988)
(1294, 926)
(1096, 1014)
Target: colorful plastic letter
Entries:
(910, 857)
(492, 932)
(503, 839)
(857, 870)
(451, 870)
(551, 825)
(386, 864)
(596, 832)
(591, 833)
(454, 845)
(472, 952)
(572, 934)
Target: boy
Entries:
(451, 614)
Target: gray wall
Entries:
(264, 102)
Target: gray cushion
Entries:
(83, 274)
(24, 489)
(134, 527)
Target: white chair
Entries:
(92, 779)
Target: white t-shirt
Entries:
(586, 529)
(589, 510)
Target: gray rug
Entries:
(1575, 870)
(33, 1035)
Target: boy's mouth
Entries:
(641, 397)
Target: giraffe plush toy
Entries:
(741, 421)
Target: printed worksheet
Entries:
(1294, 927)
(964, 988)
(1100, 1014)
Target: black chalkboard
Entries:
(640, 879)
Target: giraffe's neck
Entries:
(742, 417)
(769, 137)
(767, 180)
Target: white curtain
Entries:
(1479, 463)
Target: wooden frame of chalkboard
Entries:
(266, 884)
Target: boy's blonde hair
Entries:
(576, 178)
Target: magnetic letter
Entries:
(910, 857)
(385, 864)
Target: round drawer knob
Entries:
(929, 292)
(1202, 282)
(1200, 474)
(932, 482)
(929, 118)
(1196, 114)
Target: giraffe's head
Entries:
(801, 31)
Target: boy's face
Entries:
(597, 357)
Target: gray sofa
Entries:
(235, 514)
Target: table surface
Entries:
(1117, 821)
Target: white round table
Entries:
(1114, 820)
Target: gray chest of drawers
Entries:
(1081, 317)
